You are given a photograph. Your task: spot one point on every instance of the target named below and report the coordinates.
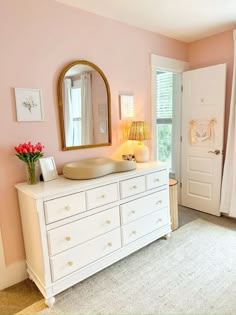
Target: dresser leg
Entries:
(167, 236)
(49, 302)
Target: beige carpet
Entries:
(194, 272)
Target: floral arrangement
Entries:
(30, 153)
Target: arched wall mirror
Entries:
(84, 106)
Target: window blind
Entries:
(164, 88)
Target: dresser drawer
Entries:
(84, 254)
(133, 210)
(143, 226)
(72, 234)
(156, 179)
(64, 207)
(132, 186)
(101, 196)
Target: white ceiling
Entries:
(185, 20)
(78, 69)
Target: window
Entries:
(166, 96)
(171, 68)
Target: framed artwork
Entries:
(126, 106)
(28, 104)
(48, 168)
(103, 126)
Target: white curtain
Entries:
(76, 101)
(86, 109)
(228, 191)
(68, 113)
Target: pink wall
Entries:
(211, 51)
(38, 38)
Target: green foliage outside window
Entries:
(164, 143)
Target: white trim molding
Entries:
(11, 274)
(177, 66)
(168, 64)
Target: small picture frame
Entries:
(103, 126)
(28, 104)
(128, 157)
(126, 106)
(48, 168)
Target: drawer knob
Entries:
(67, 238)
(70, 263)
(159, 202)
(159, 220)
(103, 196)
(67, 208)
(109, 244)
(134, 187)
(133, 211)
(134, 232)
(108, 221)
(156, 180)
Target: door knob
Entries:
(216, 152)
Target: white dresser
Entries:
(74, 228)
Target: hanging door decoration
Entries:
(201, 131)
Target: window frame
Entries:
(160, 63)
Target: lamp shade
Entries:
(139, 131)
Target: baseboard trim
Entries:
(13, 273)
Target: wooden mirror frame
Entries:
(60, 104)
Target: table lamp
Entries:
(139, 131)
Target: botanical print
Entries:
(201, 131)
(28, 104)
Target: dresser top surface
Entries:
(64, 185)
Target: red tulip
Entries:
(28, 152)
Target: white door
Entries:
(202, 138)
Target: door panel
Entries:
(199, 165)
(202, 132)
(199, 189)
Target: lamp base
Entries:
(141, 153)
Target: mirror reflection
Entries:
(84, 98)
